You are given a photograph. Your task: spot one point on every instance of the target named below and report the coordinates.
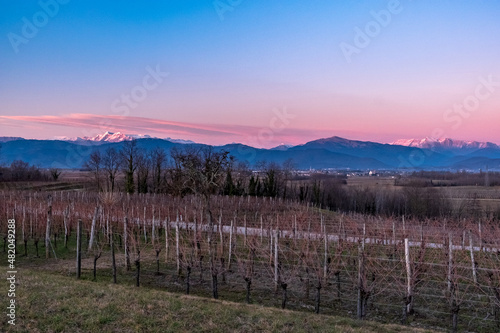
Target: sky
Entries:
(262, 73)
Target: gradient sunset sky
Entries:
(255, 72)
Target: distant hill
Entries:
(9, 138)
(326, 153)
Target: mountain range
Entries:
(446, 144)
(328, 153)
(108, 137)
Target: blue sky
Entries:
(230, 74)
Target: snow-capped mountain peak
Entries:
(282, 147)
(443, 143)
(108, 137)
(102, 138)
(179, 141)
(116, 137)
(419, 143)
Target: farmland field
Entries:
(268, 252)
(487, 197)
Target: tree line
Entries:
(207, 171)
(182, 171)
(22, 171)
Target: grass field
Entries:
(50, 302)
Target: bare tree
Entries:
(246, 257)
(143, 163)
(203, 173)
(129, 164)
(158, 160)
(111, 164)
(272, 182)
(324, 260)
(97, 252)
(95, 164)
(55, 173)
(135, 239)
(491, 277)
(458, 279)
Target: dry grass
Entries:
(49, 302)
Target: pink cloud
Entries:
(90, 125)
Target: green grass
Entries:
(49, 302)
